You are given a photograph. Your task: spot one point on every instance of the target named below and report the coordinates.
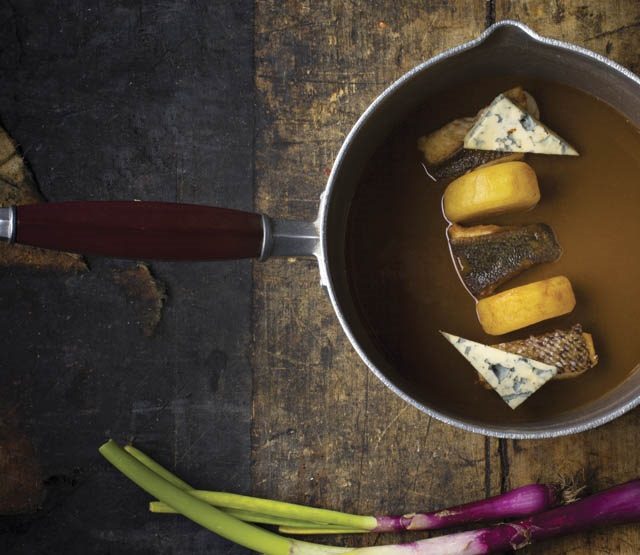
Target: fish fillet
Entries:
(487, 256)
(572, 351)
(444, 151)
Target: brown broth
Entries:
(406, 286)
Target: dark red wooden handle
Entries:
(151, 230)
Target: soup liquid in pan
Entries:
(406, 286)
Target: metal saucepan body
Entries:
(506, 48)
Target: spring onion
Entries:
(517, 503)
(299, 519)
(617, 505)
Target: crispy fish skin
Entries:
(444, 151)
(466, 160)
(571, 351)
(485, 256)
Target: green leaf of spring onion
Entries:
(207, 516)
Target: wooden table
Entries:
(135, 108)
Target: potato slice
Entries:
(490, 190)
(526, 305)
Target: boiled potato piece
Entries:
(526, 305)
(489, 190)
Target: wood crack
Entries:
(487, 466)
(17, 32)
(616, 30)
(490, 17)
(504, 465)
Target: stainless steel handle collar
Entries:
(8, 223)
(289, 238)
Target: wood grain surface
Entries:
(325, 431)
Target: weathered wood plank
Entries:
(602, 457)
(326, 432)
(21, 487)
(608, 455)
(135, 100)
(609, 27)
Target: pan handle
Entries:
(155, 230)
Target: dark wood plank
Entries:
(112, 100)
(21, 487)
(326, 431)
(609, 27)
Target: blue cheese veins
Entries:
(504, 127)
(514, 377)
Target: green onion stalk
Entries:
(300, 519)
(167, 489)
(262, 511)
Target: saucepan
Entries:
(152, 230)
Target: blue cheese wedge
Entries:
(514, 377)
(504, 127)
